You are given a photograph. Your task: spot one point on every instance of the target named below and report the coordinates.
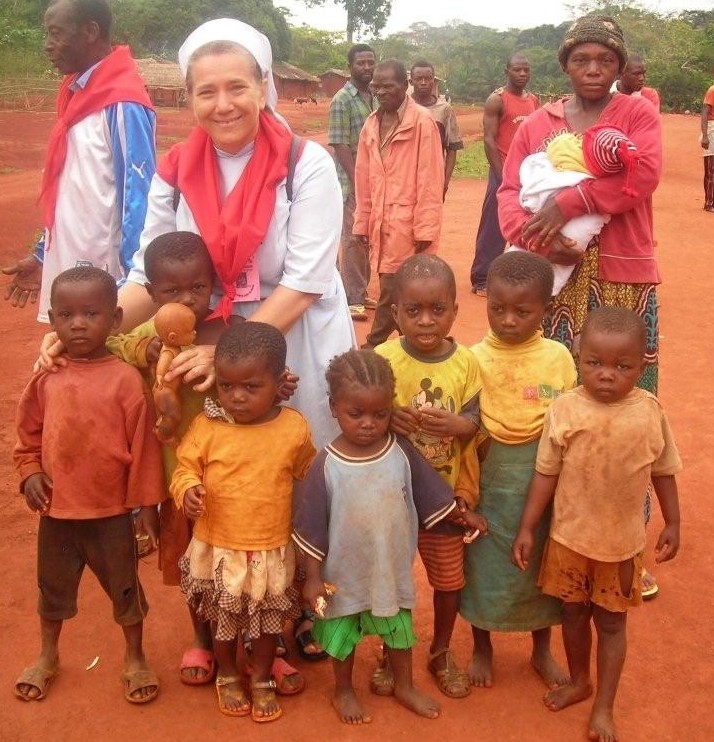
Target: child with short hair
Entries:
(87, 456)
(179, 269)
(436, 407)
(523, 373)
(356, 519)
(237, 464)
(601, 445)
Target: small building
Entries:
(332, 81)
(292, 82)
(164, 82)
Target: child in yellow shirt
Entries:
(522, 373)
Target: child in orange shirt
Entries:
(87, 456)
(237, 463)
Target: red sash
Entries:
(115, 80)
(234, 230)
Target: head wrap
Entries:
(230, 29)
(597, 29)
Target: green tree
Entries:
(316, 51)
(363, 16)
(158, 27)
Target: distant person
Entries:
(505, 110)
(349, 109)
(425, 94)
(632, 81)
(708, 147)
(399, 179)
(100, 157)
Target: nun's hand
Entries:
(194, 365)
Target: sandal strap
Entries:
(264, 685)
(307, 615)
(222, 680)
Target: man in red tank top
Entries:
(503, 113)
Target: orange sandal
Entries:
(222, 683)
(263, 692)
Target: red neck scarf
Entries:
(115, 80)
(234, 230)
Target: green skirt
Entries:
(498, 596)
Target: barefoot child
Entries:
(522, 374)
(356, 519)
(237, 463)
(436, 407)
(87, 456)
(601, 445)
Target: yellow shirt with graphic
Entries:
(519, 383)
(451, 382)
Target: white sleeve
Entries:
(160, 219)
(314, 224)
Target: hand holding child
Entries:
(288, 385)
(193, 504)
(37, 490)
(50, 358)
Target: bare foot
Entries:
(349, 708)
(417, 702)
(566, 695)
(601, 726)
(480, 668)
(550, 671)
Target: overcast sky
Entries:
(501, 15)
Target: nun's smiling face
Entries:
(227, 97)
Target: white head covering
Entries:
(230, 29)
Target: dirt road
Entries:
(669, 675)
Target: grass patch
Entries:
(471, 162)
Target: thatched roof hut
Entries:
(164, 81)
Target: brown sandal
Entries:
(451, 680)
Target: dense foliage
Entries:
(679, 48)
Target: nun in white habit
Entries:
(274, 256)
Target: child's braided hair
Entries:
(363, 367)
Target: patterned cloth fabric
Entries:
(584, 292)
(348, 112)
